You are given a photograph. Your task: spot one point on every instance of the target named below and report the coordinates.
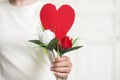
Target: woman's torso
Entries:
(19, 59)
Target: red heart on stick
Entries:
(58, 21)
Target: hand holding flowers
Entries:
(56, 24)
(61, 66)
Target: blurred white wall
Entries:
(97, 24)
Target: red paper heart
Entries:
(59, 21)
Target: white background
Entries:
(97, 25)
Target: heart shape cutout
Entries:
(58, 21)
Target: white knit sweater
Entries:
(19, 60)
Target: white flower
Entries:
(46, 36)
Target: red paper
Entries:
(59, 21)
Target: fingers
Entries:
(61, 66)
(61, 59)
(61, 69)
(62, 62)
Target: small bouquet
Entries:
(56, 24)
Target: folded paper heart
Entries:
(59, 21)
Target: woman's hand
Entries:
(61, 66)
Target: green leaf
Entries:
(52, 44)
(36, 42)
(75, 40)
(71, 49)
(43, 45)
